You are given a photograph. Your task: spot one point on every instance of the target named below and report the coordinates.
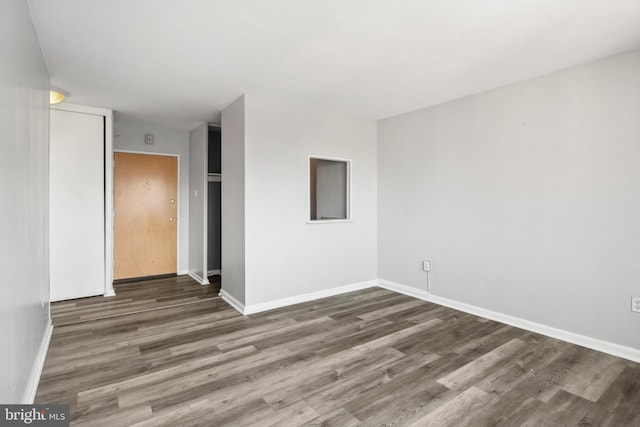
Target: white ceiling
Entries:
(179, 62)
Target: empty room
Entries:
(305, 212)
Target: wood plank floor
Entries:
(134, 297)
(370, 358)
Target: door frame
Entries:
(148, 153)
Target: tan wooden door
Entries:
(145, 215)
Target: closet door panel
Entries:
(76, 196)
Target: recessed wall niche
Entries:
(329, 189)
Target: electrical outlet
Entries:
(426, 265)
(635, 304)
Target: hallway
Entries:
(135, 297)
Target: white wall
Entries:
(525, 198)
(233, 203)
(166, 141)
(285, 255)
(198, 193)
(24, 218)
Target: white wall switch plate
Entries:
(635, 304)
(426, 265)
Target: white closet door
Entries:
(76, 196)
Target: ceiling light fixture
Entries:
(56, 95)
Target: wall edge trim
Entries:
(198, 279)
(232, 301)
(613, 349)
(29, 395)
(283, 302)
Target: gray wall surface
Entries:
(285, 255)
(526, 199)
(233, 201)
(331, 189)
(24, 187)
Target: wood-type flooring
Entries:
(369, 358)
(134, 297)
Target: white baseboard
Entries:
(270, 305)
(574, 338)
(110, 292)
(36, 371)
(182, 272)
(231, 301)
(202, 281)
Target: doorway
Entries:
(145, 215)
(214, 198)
